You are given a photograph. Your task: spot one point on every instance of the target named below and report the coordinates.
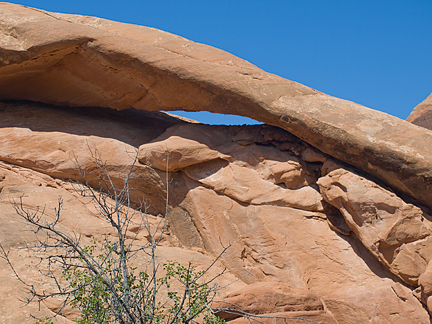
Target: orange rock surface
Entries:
(325, 207)
(422, 113)
(85, 61)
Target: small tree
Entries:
(101, 281)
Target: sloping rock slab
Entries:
(266, 298)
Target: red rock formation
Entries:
(422, 114)
(83, 61)
(313, 233)
(397, 233)
(258, 192)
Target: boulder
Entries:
(252, 174)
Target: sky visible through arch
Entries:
(375, 53)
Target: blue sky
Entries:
(376, 53)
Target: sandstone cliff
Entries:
(326, 205)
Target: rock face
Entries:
(83, 61)
(288, 211)
(325, 207)
(422, 114)
(398, 234)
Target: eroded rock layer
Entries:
(308, 234)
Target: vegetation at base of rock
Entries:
(102, 283)
(99, 278)
(46, 320)
(93, 299)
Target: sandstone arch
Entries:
(83, 61)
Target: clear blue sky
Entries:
(373, 52)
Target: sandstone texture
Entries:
(325, 207)
(84, 61)
(422, 114)
(260, 189)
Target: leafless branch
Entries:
(109, 263)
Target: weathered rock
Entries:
(182, 147)
(397, 233)
(38, 191)
(422, 114)
(266, 298)
(272, 243)
(252, 174)
(425, 282)
(273, 299)
(261, 190)
(82, 61)
(291, 317)
(297, 248)
(40, 144)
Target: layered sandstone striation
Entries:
(325, 207)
